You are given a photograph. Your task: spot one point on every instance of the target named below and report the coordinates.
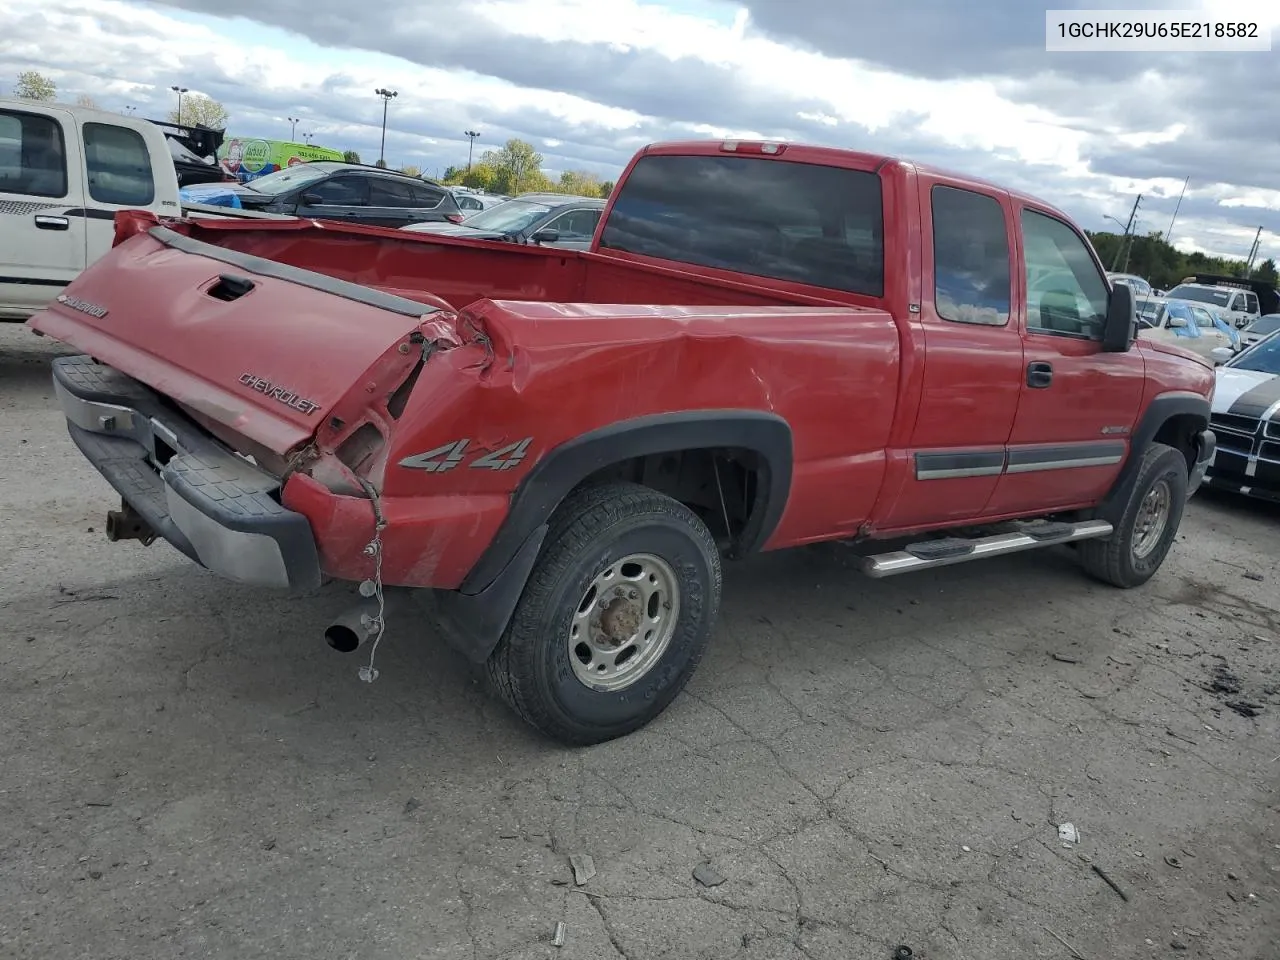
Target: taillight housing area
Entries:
(359, 451)
(454, 217)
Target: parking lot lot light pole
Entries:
(386, 96)
(293, 129)
(179, 91)
(471, 137)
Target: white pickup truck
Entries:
(64, 173)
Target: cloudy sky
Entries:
(965, 86)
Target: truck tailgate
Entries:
(262, 347)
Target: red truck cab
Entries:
(767, 345)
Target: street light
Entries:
(293, 128)
(179, 91)
(307, 137)
(471, 136)
(386, 96)
(130, 110)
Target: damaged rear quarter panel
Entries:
(551, 372)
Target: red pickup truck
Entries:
(767, 345)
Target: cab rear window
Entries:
(810, 224)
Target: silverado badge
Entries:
(84, 306)
(276, 392)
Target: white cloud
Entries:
(127, 52)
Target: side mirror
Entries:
(313, 199)
(545, 236)
(1118, 330)
(1176, 323)
(1221, 355)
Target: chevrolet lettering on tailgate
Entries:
(276, 392)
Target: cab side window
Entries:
(33, 158)
(1066, 292)
(971, 275)
(118, 165)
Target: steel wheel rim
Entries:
(624, 622)
(1152, 519)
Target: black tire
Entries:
(1114, 559)
(593, 529)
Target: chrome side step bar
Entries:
(949, 550)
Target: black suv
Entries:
(350, 192)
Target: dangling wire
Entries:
(369, 673)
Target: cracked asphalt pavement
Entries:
(189, 771)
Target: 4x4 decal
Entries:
(452, 454)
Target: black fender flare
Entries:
(1159, 412)
(475, 615)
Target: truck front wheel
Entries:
(1147, 524)
(615, 616)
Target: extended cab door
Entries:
(42, 241)
(122, 171)
(973, 356)
(1078, 406)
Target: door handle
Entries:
(1039, 374)
(46, 222)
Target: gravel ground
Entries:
(189, 771)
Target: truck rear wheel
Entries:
(615, 617)
(1146, 526)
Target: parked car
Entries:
(1260, 329)
(473, 201)
(548, 219)
(1238, 306)
(550, 459)
(1246, 422)
(1191, 326)
(331, 190)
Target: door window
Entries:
(1251, 303)
(389, 193)
(118, 165)
(1202, 318)
(575, 225)
(970, 257)
(339, 192)
(428, 197)
(1066, 292)
(33, 158)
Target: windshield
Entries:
(1262, 358)
(514, 216)
(1268, 324)
(282, 181)
(1218, 298)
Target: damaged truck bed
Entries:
(558, 448)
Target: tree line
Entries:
(516, 167)
(1164, 265)
(197, 109)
